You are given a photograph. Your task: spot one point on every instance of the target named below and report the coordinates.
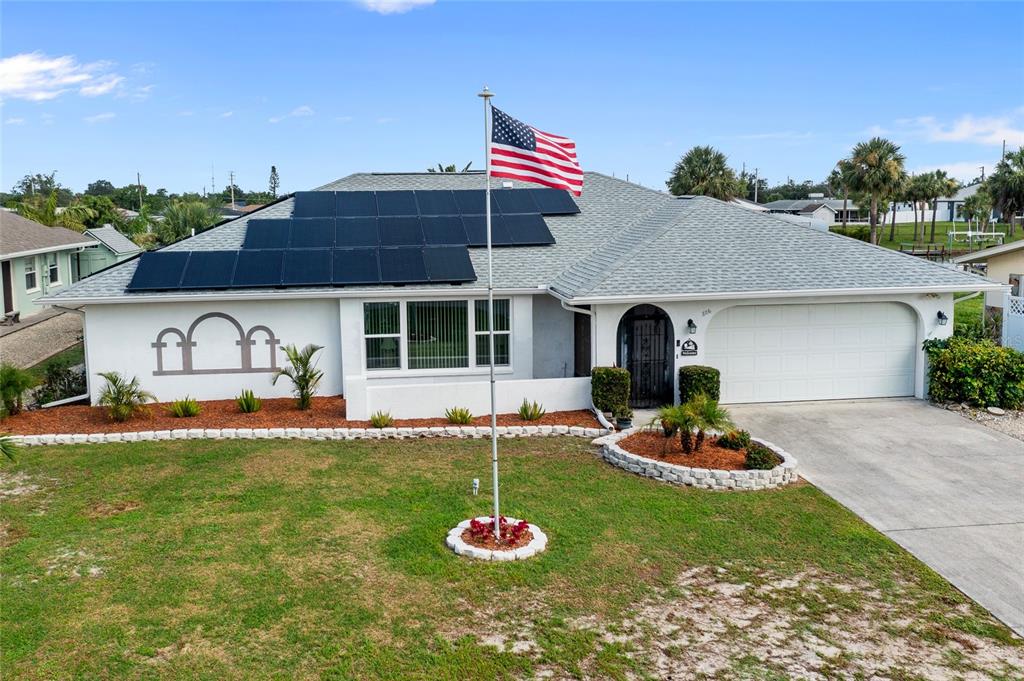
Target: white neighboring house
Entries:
(951, 208)
(637, 278)
(820, 209)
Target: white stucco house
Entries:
(636, 278)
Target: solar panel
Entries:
(554, 201)
(307, 267)
(267, 233)
(528, 229)
(312, 233)
(403, 231)
(314, 205)
(356, 232)
(436, 202)
(209, 269)
(397, 203)
(159, 270)
(444, 229)
(448, 264)
(514, 201)
(356, 204)
(356, 266)
(258, 269)
(402, 265)
(470, 201)
(476, 230)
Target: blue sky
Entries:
(329, 88)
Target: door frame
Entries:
(648, 387)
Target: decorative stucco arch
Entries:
(244, 343)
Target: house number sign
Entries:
(688, 348)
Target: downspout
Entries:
(597, 413)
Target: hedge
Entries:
(609, 388)
(977, 372)
(694, 379)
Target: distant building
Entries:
(113, 248)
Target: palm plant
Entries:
(938, 185)
(182, 218)
(14, 381)
(1006, 186)
(450, 168)
(918, 191)
(123, 398)
(44, 211)
(876, 169)
(304, 375)
(705, 414)
(7, 447)
(704, 171)
(979, 207)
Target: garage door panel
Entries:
(814, 352)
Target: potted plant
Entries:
(623, 417)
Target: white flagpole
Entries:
(486, 95)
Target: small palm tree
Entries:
(123, 398)
(44, 211)
(181, 218)
(304, 375)
(1006, 186)
(876, 169)
(7, 447)
(705, 171)
(450, 168)
(14, 381)
(979, 207)
(939, 184)
(705, 414)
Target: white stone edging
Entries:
(783, 474)
(395, 433)
(455, 542)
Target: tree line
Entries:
(873, 175)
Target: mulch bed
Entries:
(493, 545)
(654, 445)
(327, 412)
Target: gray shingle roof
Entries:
(21, 235)
(628, 240)
(114, 240)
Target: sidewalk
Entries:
(40, 337)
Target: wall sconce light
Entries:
(943, 319)
(691, 327)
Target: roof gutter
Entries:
(48, 249)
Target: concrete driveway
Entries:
(947, 489)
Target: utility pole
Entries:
(232, 176)
(138, 181)
(213, 182)
(755, 185)
(982, 173)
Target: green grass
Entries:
(905, 233)
(284, 559)
(75, 355)
(969, 311)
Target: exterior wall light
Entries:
(943, 319)
(691, 327)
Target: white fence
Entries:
(1013, 322)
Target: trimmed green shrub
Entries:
(13, 384)
(123, 398)
(735, 440)
(977, 372)
(381, 419)
(184, 409)
(760, 458)
(459, 416)
(695, 379)
(623, 412)
(609, 387)
(248, 403)
(531, 411)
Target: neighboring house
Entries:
(636, 278)
(749, 205)
(830, 211)
(113, 247)
(951, 208)
(1004, 264)
(35, 261)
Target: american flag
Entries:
(522, 152)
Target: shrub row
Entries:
(977, 372)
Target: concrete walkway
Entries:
(947, 489)
(31, 344)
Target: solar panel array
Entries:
(361, 238)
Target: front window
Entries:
(53, 270)
(438, 334)
(383, 331)
(31, 278)
(502, 333)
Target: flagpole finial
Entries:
(486, 94)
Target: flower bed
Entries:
(710, 478)
(654, 445)
(466, 539)
(326, 412)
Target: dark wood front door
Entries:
(8, 288)
(645, 349)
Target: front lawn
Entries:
(291, 559)
(905, 233)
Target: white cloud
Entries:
(186, 113)
(384, 120)
(100, 117)
(968, 129)
(965, 171)
(344, 119)
(36, 77)
(392, 6)
(227, 114)
(48, 118)
(14, 121)
(297, 112)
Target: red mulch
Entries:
(654, 445)
(327, 412)
(490, 543)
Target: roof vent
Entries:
(506, 184)
(815, 195)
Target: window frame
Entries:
(50, 267)
(478, 334)
(31, 267)
(398, 336)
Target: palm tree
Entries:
(704, 171)
(44, 211)
(978, 206)
(704, 414)
(182, 218)
(122, 397)
(939, 184)
(839, 178)
(450, 168)
(1006, 185)
(876, 169)
(900, 193)
(304, 375)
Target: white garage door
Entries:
(779, 353)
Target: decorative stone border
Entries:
(475, 432)
(455, 543)
(783, 474)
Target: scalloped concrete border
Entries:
(783, 474)
(305, 434)
(455, 543)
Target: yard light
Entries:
(691, 327)
(476, 486)
(943, 319)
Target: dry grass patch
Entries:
(292, 465)
(104, 509)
